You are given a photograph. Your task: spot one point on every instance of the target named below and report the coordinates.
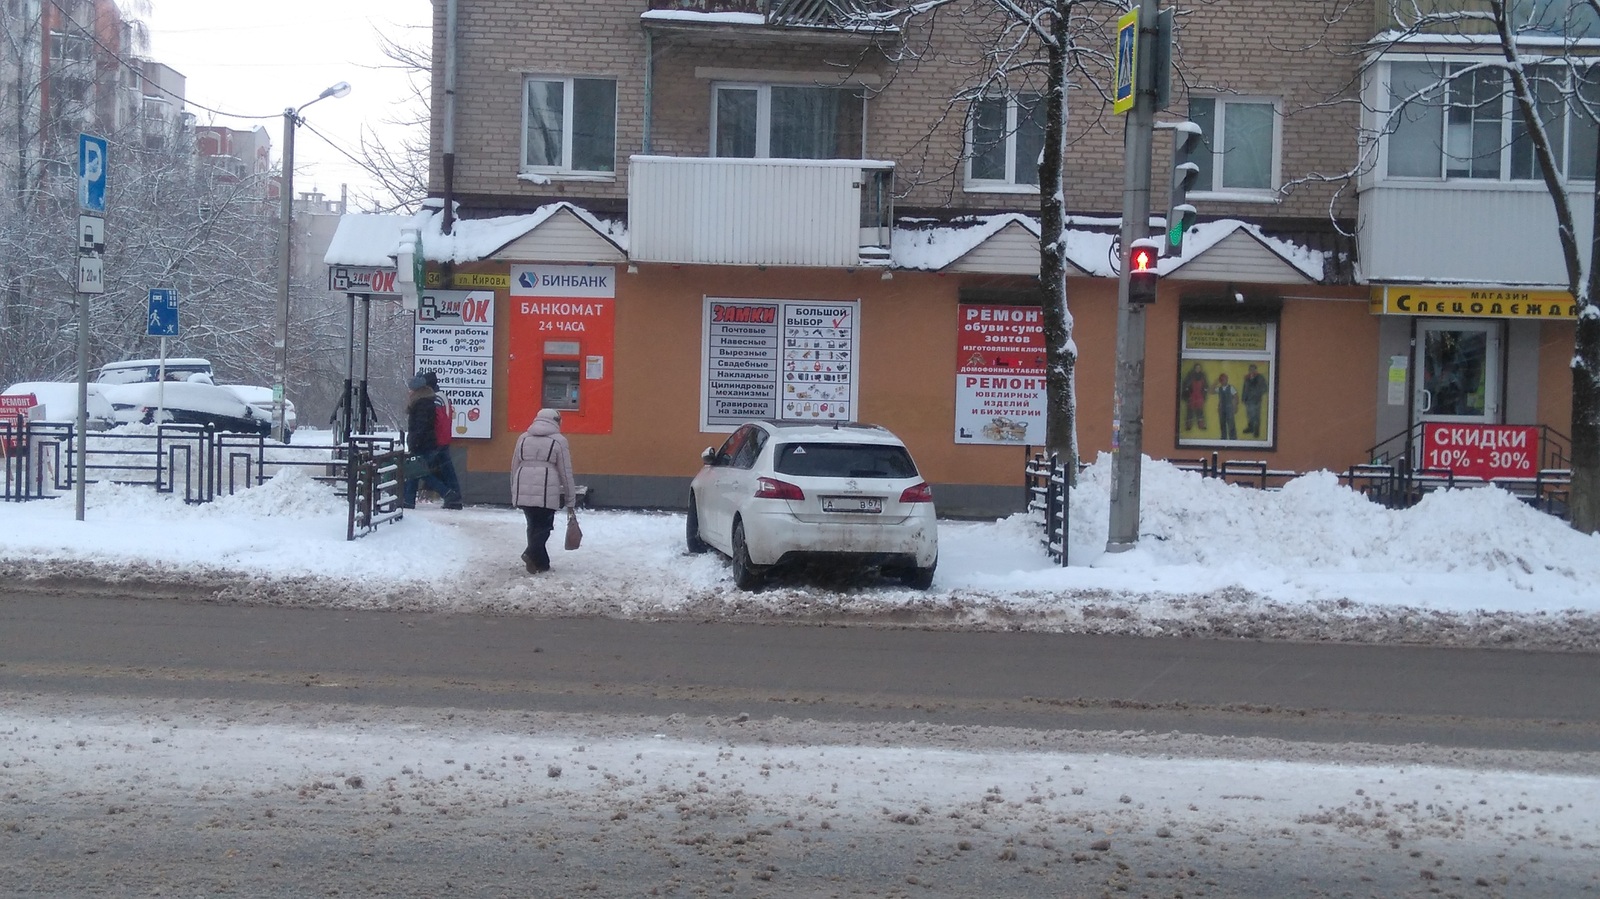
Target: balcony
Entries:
(849, 21)
(793, 13)
(833, 213)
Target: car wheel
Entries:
(919, 578)
(691, 530)
(745, 575)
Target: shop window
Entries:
(1227, 377)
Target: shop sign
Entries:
(792, 360)
(1473, 302)
(459, 280)
(14, 411)
(562, 342)
(454, 338)
(1481, 451)
(1000, 383)
(363, 279)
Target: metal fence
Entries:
(198, 463)
(1049, 488)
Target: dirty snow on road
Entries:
(248, 791)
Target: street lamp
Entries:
(291, 118)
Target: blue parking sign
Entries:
(163, 320)
(93, 162)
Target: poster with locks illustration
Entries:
(794, 360)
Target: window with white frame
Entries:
(1242, 137)
(569, 125)
(780, 121)
(1460, 120)
(1005, 139)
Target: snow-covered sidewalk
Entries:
(1312, 561)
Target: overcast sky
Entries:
(253, 60)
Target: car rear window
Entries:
(844, 460)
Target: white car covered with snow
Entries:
(60, 402)
(185, 402)
(260, 399)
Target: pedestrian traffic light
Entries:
(1185, 171)
(1143, 275)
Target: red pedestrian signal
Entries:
(1143, 276)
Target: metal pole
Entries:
(362, 403)
(281, 344)
(346, 411)
(1127, 430)
(81, 438)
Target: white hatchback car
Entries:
(779, 492)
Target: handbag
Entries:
(414, 467)
(574, 533)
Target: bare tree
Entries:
(1052, 49)
(400, 166)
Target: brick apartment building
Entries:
(671, 215)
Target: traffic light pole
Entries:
(1127, 429)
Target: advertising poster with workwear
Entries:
(455, 339)
(790, 360)
(1000, 392)
(1225, 384)
(563, 335)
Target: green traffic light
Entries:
(1175, 234)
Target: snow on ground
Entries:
(260, 783)
(1311, 561)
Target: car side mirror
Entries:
(709, 455)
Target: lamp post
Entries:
(291, 118)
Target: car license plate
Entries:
(852, 504)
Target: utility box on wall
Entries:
(562, 336)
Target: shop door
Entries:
(1457, 372)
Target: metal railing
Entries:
(1246, 472)
(199, 464)
(1393, 478)
(373, 483)
(1048, 490)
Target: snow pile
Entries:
(1314, 560)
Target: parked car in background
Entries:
(134, 371)
(849, 494)
(185, 402)
(60, 402)
(260, 399)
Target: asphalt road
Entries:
(1468, 698)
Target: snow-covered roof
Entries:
(368, 239)
(1089, 243)
(917, 245)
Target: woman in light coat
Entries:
(541, 483)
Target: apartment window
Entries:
(761, 121)
(1242, 137)
(67, 47)
(1572, 18)
(569, 125)
(1005, 140)
(1460, 121)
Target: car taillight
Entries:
(921, 493)
(772, 488)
